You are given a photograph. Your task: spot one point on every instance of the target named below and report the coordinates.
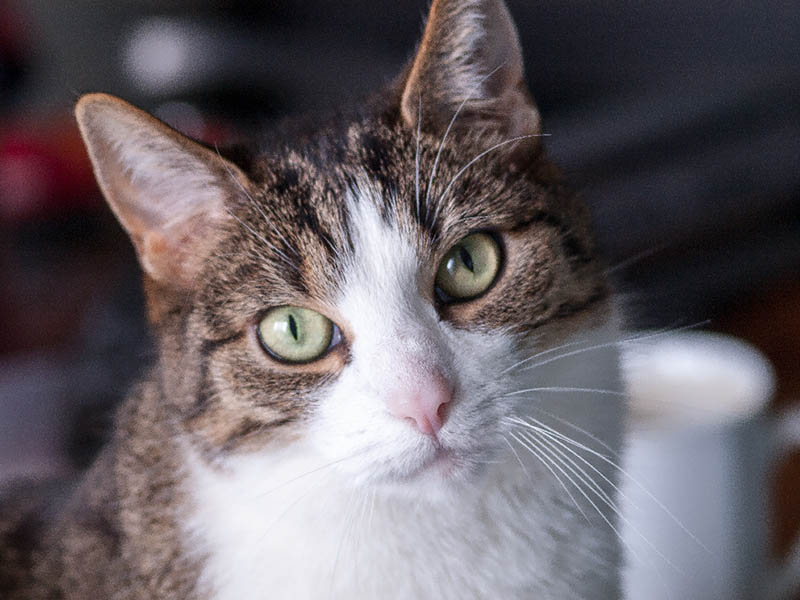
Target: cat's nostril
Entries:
(441, 412)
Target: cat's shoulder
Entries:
(27, 508)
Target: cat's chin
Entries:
(443, 471)
(442, 465)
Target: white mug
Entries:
(694, 494)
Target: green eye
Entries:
(469, 267)
(295, 334)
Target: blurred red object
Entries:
(44, 170)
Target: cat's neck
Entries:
(262, 531)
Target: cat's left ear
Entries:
(167, 191)
(470, 54)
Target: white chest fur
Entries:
(288, 525)
(314, 539)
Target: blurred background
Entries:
(678, 121)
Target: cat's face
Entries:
(366, 290)
(345, 240)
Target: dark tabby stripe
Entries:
(250, 428)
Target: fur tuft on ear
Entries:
(167, 191)
(469, 54)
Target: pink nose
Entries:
(423, 402)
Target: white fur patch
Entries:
(351, 511)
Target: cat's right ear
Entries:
(167, 191)
(469, 63)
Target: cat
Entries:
(376, 339)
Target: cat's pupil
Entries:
(466, 258)
(293, 327)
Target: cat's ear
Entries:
(469, 54)
(167, 191)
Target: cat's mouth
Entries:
(443, 464)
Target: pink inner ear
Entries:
(423, 401)
(176, 254)
(163, 258)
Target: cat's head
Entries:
(364, 290)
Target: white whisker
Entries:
(571, 425)
(608, 522)
(541, 353)
(633, 480)
(317, 470)
(519, 460)
(565, 390)
(373, 493)
(576, 470)
(541, 459)
(450, 126)
(624, 264)
(615, 343)
(559, 438)
(291, 505)
(416, 174)
(630, 339)
(348, 523)
(481, 155)
(263, 240)
(255, 204)
(619, 514)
